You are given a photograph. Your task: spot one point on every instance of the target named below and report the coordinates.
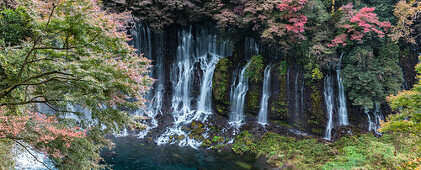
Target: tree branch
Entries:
(33, 47)
(23, 146)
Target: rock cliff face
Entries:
(296, 100)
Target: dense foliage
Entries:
(64, 54)
(370, 78)
(356, 152)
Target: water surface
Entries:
(133, 153)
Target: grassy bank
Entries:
(355, 152)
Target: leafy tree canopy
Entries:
(63, 54)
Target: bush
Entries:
(14, 25)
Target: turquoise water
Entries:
(133, 153)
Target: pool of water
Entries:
(133, 153)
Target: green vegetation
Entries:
(221, 86)
(279, 104)
(365, 151)
(253, 98)
(15, 25)
(6, 155)
(407, 120)
(369, 78)
(255, 69)
(61, 54)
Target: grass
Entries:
(356, 152)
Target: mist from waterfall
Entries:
(263, 112)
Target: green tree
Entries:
(407, 104)
(75, 55)
(407, 117)
(369, 78)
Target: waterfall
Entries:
(142, 41)
(370, 123)
(342, 111)
(295, 95)
(239, 88)
(329, 101)
(154, 105)
(194, 49)
(374, 125)
(251, 48)
(237, 97)
(205, 100)
(263, 113)
(25, 160)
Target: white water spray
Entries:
(263, 112)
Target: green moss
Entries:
(279, 103)
(6, 158)
(255, 69)
(282, 68)
(253, 97)
(244, 143)
(221, 86)
(316, 119)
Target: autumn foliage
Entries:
(357, 24)
(40, 128)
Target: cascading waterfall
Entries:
(154, 106)
(263, 112)
(141, 35)
(251, 48)
(237, 97)
(370, 123)
(239, 88)
(24, 159)
(142, 40)
(329, 96)
(205, 100)
(342, 111)
(329, 101)
(374, 125)
(378, 117)
(201, 50)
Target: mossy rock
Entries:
(316, 119)
(253, 98)
(278, 102)
(221, 86)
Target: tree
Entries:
(406, 13)
(275, 20)
(75, 54)
(369, 78)
(407, 117)
(356, 24)
(407, 104)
